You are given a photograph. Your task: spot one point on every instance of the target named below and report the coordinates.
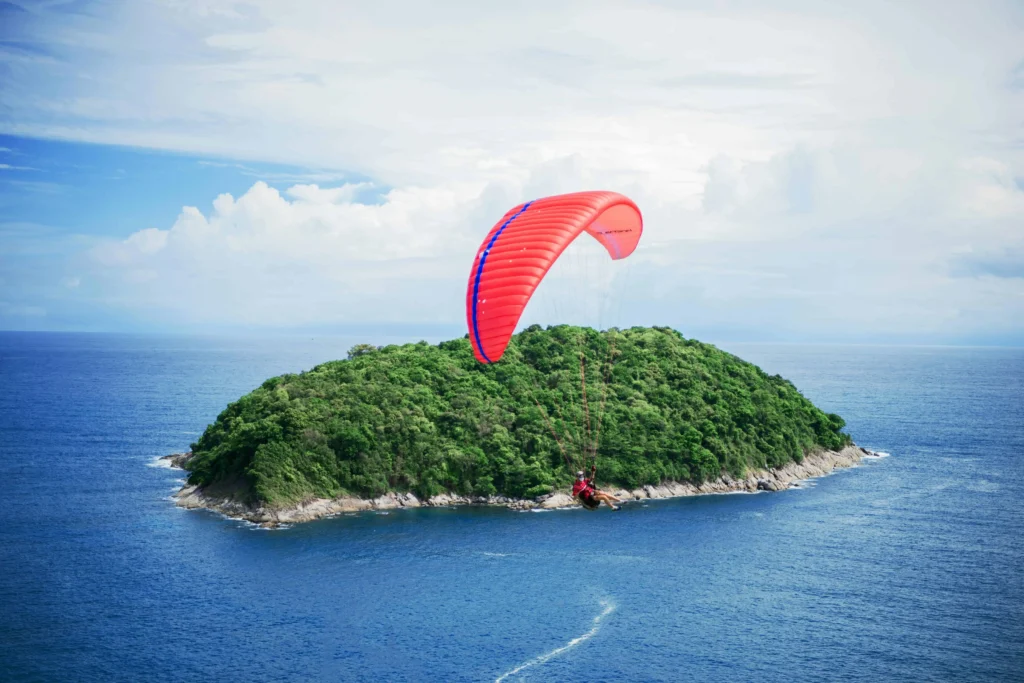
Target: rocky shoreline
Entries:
(775, 479)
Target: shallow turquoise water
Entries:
(907, 568)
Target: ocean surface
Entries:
(910, 567)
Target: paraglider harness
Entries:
(586, 495)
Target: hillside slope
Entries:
(430, 419)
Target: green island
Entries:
(428, 419)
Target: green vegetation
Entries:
(429, 419)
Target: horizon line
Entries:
(384, 328)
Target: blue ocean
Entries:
(909, 567)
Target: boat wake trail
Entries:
(608, 607)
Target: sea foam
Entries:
(161, 463)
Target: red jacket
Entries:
(583, 488)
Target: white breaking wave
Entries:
(160, 463)
(608, 606)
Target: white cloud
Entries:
(314, 255)
(138, 244)
(813, 165)
(992, 190)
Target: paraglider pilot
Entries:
(588, 495)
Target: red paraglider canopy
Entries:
(520, 249)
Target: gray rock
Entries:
(178, 460)
(557, 500)
(778, 479)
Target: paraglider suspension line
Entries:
(604, 398)
(586, 406)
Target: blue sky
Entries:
(60, 198)
(809, 172)
(109, 191)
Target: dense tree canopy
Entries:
(430, 419)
